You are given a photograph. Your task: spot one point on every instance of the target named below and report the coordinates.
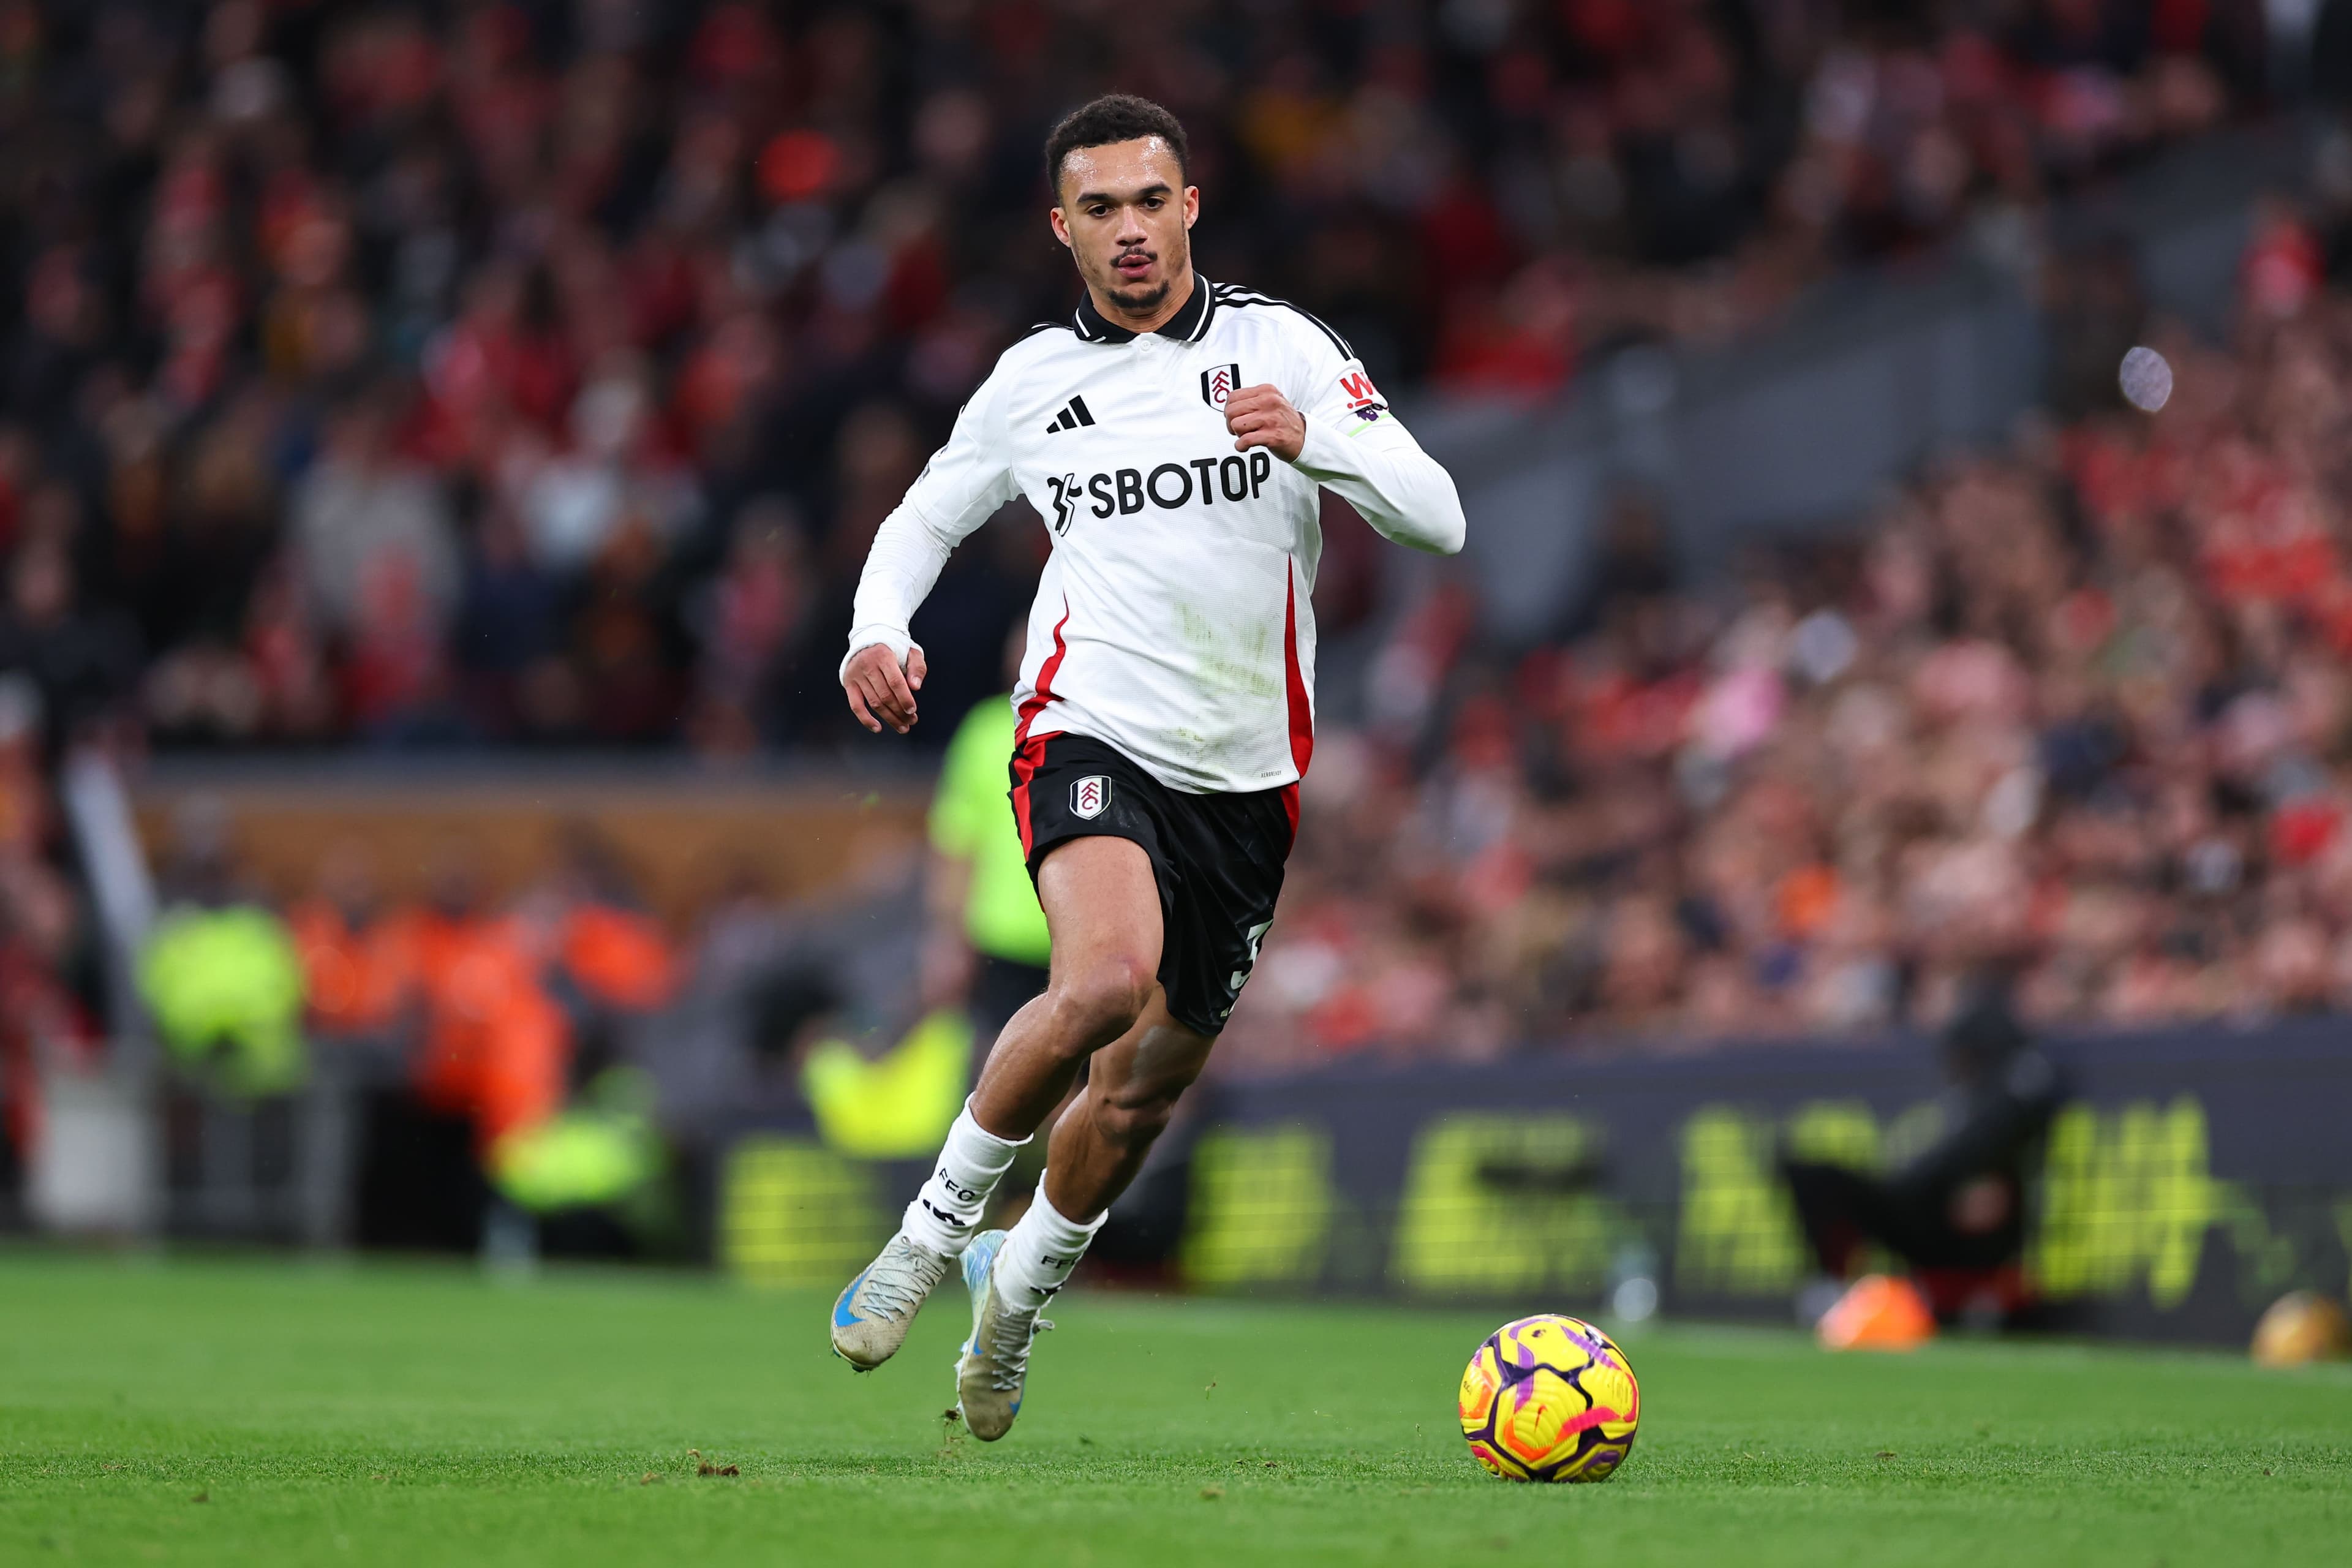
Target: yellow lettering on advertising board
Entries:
(1261, 1207)
(2127, 1195)
(1833, 1132)
(792, 1212)
(1495, 1204)
(1739, 1232)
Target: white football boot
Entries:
(871, 1317)
(995, 1359)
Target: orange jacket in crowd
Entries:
(619, 958)
(357, 981)
(496, 1044)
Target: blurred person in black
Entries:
(84, 663)
(1955, 1212)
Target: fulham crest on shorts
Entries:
(1089, 795)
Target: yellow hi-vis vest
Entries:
(899, 1105)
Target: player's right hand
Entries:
(881, 693)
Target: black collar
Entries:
(1185, 326)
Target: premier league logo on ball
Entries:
(1218, 383)
(1089, 796)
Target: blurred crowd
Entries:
(532, 373)
(50, 992)
(2082, 708)
(553, 1043)
(537, 371)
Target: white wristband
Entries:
(898, 642)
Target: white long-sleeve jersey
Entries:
(1173, 618)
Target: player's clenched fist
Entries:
(879, 691)
(1261, 416)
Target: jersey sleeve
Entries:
(1356, 448)
(960, 488)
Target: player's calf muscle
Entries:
(1135, 1119)
(1130, 1097)
(1037, 1056)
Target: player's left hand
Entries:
(1261, 416)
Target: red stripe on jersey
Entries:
(1302, 713)
(1028, 753)
(1045, 673)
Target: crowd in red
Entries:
(2082, 707)
(511, 370)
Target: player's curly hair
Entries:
(1114, 117)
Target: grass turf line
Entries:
(250, 1412)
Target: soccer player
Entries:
(1173, 435)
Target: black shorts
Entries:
(1218, 858)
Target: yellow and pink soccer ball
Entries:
(1550, 1399)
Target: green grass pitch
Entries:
(249, 1413)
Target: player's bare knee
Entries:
(1100, 1001)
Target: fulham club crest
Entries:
(1088, 796)
(1218, 383)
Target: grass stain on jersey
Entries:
(1243, 665)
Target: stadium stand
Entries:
(2079, 706)
(531, 373)
(485, 376)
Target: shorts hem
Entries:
(1045, 847)
(1207, 1031)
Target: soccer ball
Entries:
(1550, 1399)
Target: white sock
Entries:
(946, 1213)
(1040, 1253)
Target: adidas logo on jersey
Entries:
(1072, 414)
